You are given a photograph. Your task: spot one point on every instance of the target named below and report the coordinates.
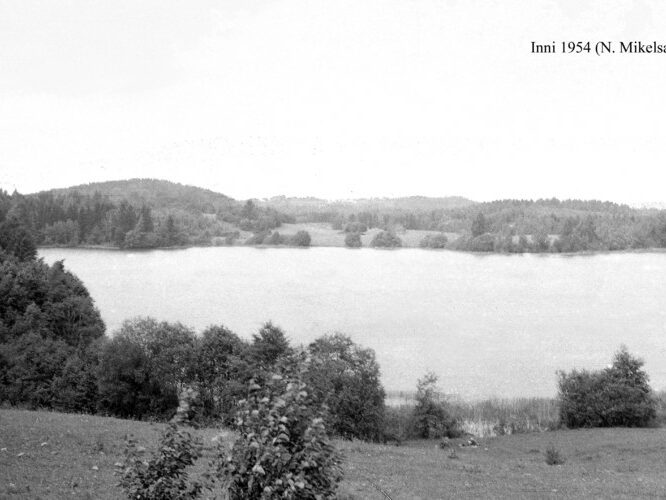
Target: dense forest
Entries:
(137, 213)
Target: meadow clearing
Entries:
(324, 236)
(55, 455)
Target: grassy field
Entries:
(324, 236)
(53, 455)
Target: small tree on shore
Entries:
(431, 420)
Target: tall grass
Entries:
(497, 417)
(484, 418)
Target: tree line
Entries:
(74, 218)
(507, 226)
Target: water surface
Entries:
(486, 324)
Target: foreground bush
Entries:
(346, 378)
(283, 450)
(164, 475)
(616, 396)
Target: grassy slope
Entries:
(60, 451)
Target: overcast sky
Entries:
(336, 99)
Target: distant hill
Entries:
(296, 206)
(140, 213)
(157, 194)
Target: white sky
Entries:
(334, 98)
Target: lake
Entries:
(488, 325)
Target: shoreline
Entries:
(264, 247)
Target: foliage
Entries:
(385, 239)
(283, 450)
(75, 387)
(28, 367)
(431, 419)
(137, 213)
(346, 378)
(616, 396)
(222, 371)
(47, 324)
(553, 456)
(353, 240)
(275, 238)
(548, 225)
(434, 241)
(300, 239)
(164, 475)
(16, 239)
(479, 225)
(356, 227)
(269, 345)
(145, 366)
(125, 388)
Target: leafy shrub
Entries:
(269, 346)
(144, 367)
(283, 450)
(221, 372)
(164, 475)
(616, 396)
(346, 378)
(434, 241)
(482, 243)
(553, 456)
(300, 239)
(356, 227)
(275, 238)
(398, 424)
(257, 238)
(431, 419)
(386, 239)
(353, 240)
(28, 367)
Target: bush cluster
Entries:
(616, 396)
(267, 237)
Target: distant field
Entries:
(324, 236)
(53, 455)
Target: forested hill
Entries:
(157, 194)
(136, 213)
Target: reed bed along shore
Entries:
(488, 417)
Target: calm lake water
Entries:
(486, 324)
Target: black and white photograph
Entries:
(332, 249)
